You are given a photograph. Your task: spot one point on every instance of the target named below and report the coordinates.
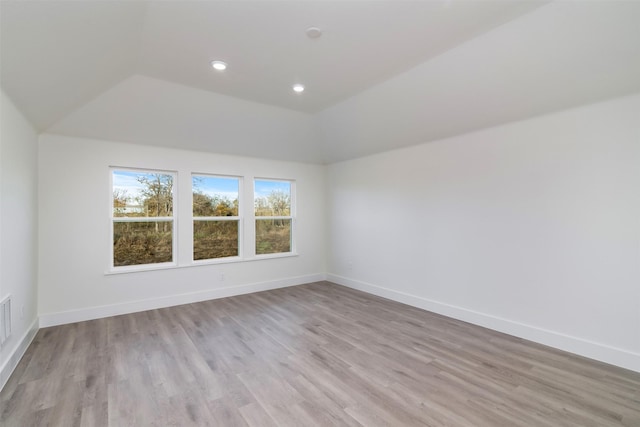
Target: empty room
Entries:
(316, 213)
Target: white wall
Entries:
(74, 241)
(532, 228)
(18, 230)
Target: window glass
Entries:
(142, 217)
(215, 239)
(215, 196)
(273, 236)
(272, 198)
(137, 243)
(273, 225)
(216, 223)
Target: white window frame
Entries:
(173, 219)
(238, 218)
(291, 216)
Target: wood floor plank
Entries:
(312, 355)
(255, 416)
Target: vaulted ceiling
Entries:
(384, 74)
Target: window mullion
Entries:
(216, 218)
(142, 219)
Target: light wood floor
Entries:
(317, 354)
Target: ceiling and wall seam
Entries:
(509, 71)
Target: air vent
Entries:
(5, 319)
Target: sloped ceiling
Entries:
(148, 111)
(57, 55)
(383, 75)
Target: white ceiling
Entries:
(57, 55)
(364, 43)
(385, 74)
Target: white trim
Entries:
(258, 218)
(273, 255)
(214, 261)
(143, 219)
(217, 218)
(16, 354)
(593, 350)
(98, 312)
(140, 268)
(200, 263)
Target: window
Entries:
(144, 227)
(274, 216)
(216, 218)
(142, 217)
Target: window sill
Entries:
(201, 263)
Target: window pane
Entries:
(272, 198)
(215, 196)
(215, 239)
(273, 236)
(136, 243)
(142, 194)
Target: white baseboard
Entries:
(16, 354)
(582, 347)
(98, 312)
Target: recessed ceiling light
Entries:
(219, 65)
(314, 32)
(298, 88)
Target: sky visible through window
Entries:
(127, 181)
(226, 187)
(264, 188)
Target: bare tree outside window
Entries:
(216, 220)
(142, 217)
(272, 208)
